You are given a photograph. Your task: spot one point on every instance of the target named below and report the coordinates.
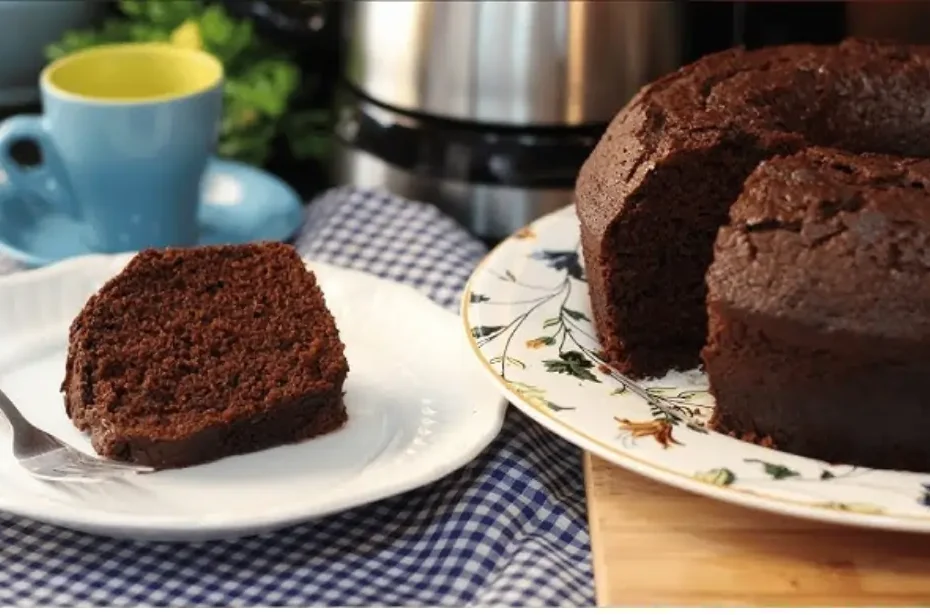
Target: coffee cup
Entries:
(125, 135)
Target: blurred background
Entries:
(484, 108)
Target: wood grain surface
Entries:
(654, 545)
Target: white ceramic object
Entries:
(527, 315)
(419, 408)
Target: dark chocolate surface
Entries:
(834, 241)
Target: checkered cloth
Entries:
(509, 529)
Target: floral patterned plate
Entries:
(527, 314)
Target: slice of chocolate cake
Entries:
(191, 355)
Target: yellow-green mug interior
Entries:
(133, 72)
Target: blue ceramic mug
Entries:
(126, 133)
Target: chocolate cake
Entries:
(819, 309)
(661, 181)
(190, 355)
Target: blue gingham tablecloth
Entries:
(509, 529)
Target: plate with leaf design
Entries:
(527, 315)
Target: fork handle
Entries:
(17, 421)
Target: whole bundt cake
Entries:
(659, 185)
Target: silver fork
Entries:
(47, 458)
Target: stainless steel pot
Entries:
(560, 63)
(486, 107)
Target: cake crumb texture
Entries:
(189, 355)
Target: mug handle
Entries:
(51, 185)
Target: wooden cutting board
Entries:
(654, 545)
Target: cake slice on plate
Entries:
(191, 355)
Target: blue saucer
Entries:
(240, 204)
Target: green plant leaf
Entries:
(551, 322)
(557, 408)
(568, 262)
(111, 31)
(309, 133)
(481, 332)
(260, 79)
(168, 14)
(148, 33)
(228, 39)
(250, 144)
(776, 471)
(575, 315)
(265, 86)
(572, 363)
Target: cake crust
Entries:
(191, 355)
